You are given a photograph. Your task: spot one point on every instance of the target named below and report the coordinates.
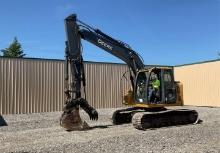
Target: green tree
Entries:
(14, 50)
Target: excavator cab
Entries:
(163, 92)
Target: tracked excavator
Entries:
(148, 106)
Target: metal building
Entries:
(201, 83)
(37, 85)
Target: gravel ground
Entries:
(42, 133)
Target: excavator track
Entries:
(122, 116)
(148, 120)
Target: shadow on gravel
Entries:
(199, 121)
(2, 121)
(93, 127)
(100, 127)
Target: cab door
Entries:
(141, 87)
(169, 88)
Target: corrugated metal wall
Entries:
(201, 83)
(35, 85)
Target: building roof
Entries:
(31, 58)
(201, 62)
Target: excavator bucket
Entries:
(71, 120)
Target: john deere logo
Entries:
(104, 44)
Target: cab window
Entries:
(141, 84)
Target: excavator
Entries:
(147, 103)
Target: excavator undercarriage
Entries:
(154, 118)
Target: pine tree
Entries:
(14, 50)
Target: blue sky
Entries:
(165, 32)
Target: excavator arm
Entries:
(76, 30)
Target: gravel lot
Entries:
(42, 133)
